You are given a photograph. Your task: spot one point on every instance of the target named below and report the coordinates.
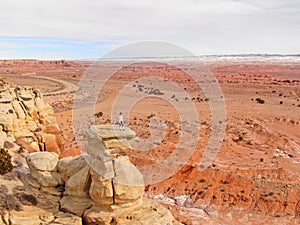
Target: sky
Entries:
(77, 29)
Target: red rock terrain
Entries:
(255, 176)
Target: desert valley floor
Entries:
(254, 178)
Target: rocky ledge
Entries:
(27, 123)
(101, 187)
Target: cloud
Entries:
(273, 4)
(204, 27)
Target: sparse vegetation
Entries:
(150, 116)
(155, 92)
(150, 91)
(241, 137)
(5, 162)
(260, 101)
(99, 114)
(225, 182)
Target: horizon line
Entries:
(162, 57)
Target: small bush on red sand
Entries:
(260, 101)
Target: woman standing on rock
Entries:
(121, 121)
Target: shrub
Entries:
(150, 116)
(5, 162)
(260, 101)
(98, 114)
(155, 92)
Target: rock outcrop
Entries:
(102, 186)
(26, 121)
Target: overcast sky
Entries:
(74, 29)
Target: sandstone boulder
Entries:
(105, 132)
(71, 165)
(108, 137)
(77, 185)
(95, 145)
(104, 188)
(75, 205)
(43, 161)
(101, 190)
(128, 181)
(104, 168)
(45, 178)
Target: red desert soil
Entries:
(255, 176)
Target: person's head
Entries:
(120, 113)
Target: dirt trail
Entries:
(68, 86)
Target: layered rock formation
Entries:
(102, 186)
(26, 121)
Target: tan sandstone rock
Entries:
(148, 212)
(22, 112)
(43, 161)
(44, 178)
(75, 205)
(128, 182)
(50, 141)
(102, 187)
(71, 165)
(32, 215)
(101, 190)
(27, 140)
(18, 109)
(112, 131)
(114, 143)
(66, 219)
(29, 216)
(78, 184)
